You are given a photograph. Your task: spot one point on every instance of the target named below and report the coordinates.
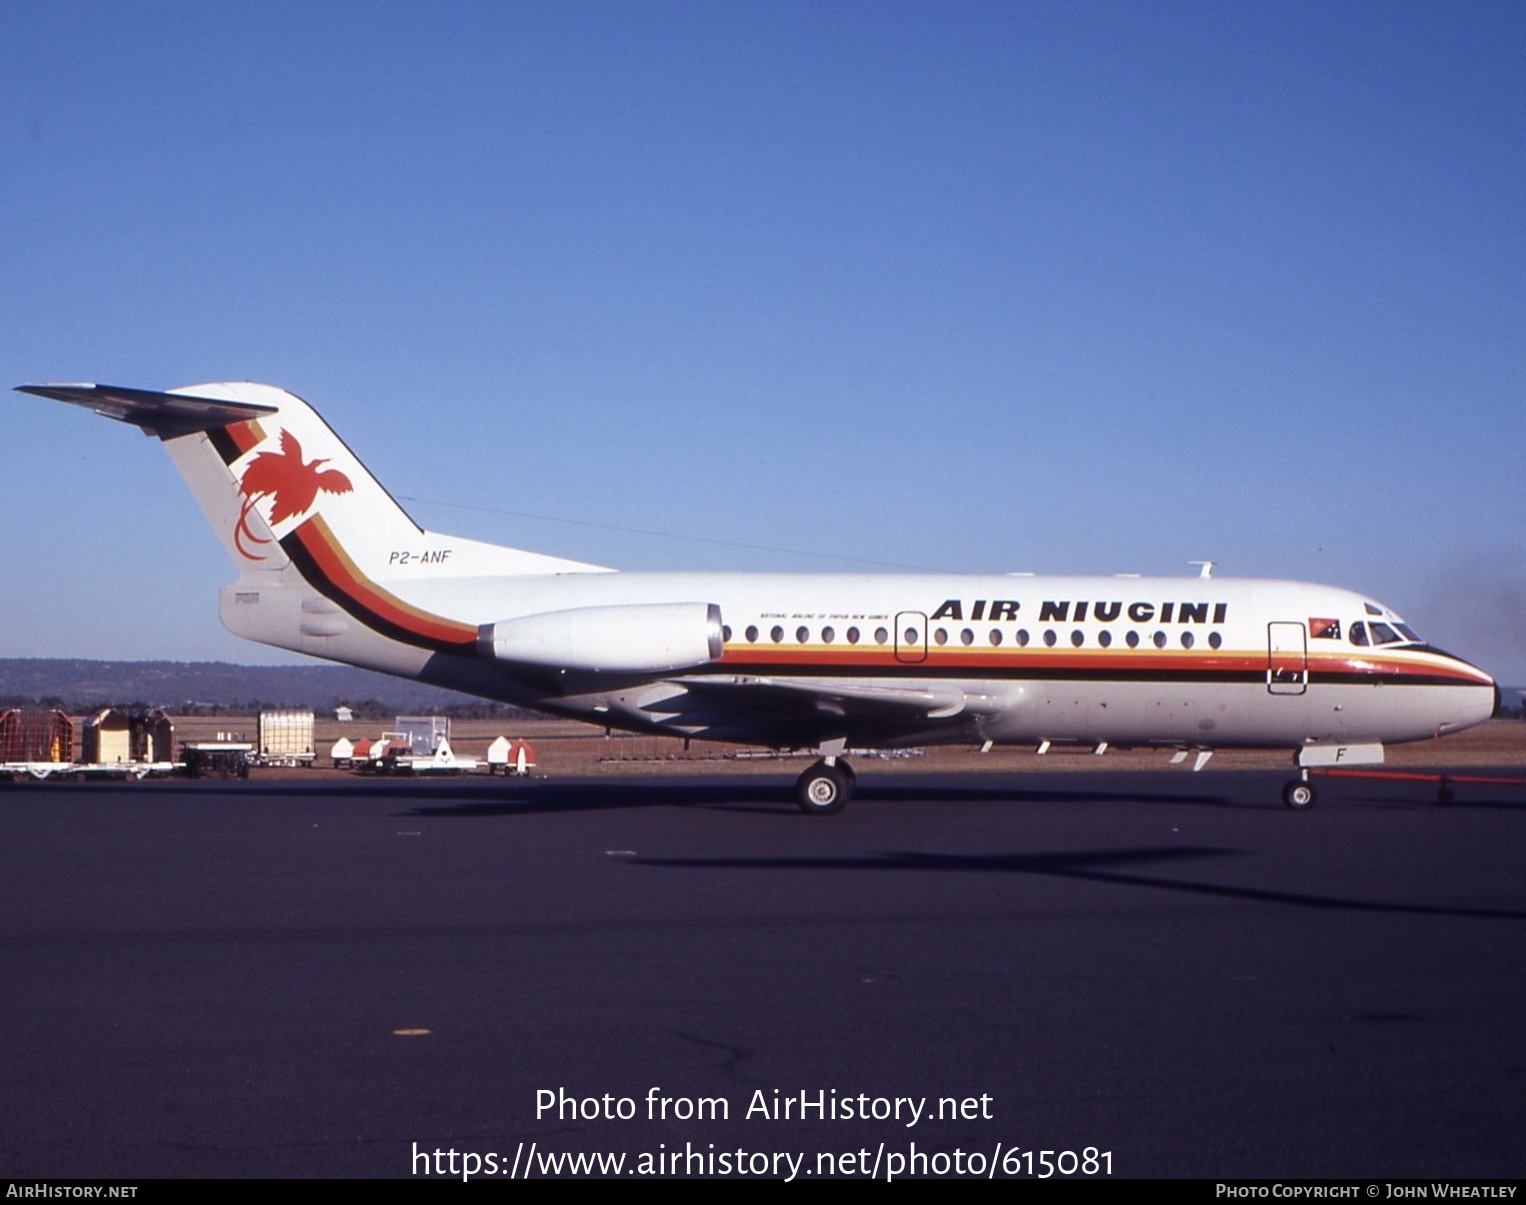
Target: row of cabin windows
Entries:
(803, 635)
(913, 637)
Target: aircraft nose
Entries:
(1486, 704)
(1476, 700)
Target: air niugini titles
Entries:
(1078, 611)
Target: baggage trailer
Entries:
(420, 744)
(285, 738)
(34, 736)
(37, 745)
(217, 759)
(510, 757)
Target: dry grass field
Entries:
(565, 748)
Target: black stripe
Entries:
(1043, 673)
(315, 577)
(224, 444)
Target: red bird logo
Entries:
(292, 484)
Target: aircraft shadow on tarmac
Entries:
(1092, 865)
(466, 798)
(747, 795)
(475, 799)
(478, 797)
(1252, 790)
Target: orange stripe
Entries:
(246, 436)
(966, 659)
(331, 558)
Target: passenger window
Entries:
(1132, 639)
(881, 635)
(1105, 638)
(752, 633)
(802, 635)
(995, 637)
(852, 635)
(940, 636)
(725, 633)
(1078, 638)
(1049, 638)
(828, 635)
(966, 637)
(1214, 640)
(912, 637)
(1022, 638)
(1187, 641)
(1160, 640)
(777, 634)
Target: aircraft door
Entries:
(1287, 659)
(911, 637)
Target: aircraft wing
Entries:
(162, 414)
(835, 696)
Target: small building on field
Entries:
(114, 735)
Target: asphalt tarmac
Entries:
(1159, 974)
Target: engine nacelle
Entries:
(642, 638)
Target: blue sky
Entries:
(1062, 287)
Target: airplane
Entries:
(331, 566)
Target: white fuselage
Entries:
(896, 659)
(329, 565)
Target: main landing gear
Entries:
(825, 788)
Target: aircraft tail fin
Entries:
(262, 464)
(305, 521)
(277, 484)
(205, 430)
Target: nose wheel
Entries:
(1298, 795)
(825, 788)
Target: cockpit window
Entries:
(1376, 632)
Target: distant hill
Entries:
(180, 686)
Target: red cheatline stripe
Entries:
(974, 659)
(335, 564)
(246, 436)
(234, 441)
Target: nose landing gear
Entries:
(1299, 795)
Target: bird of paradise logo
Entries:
(292, 485)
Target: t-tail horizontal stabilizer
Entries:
(163, 414)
